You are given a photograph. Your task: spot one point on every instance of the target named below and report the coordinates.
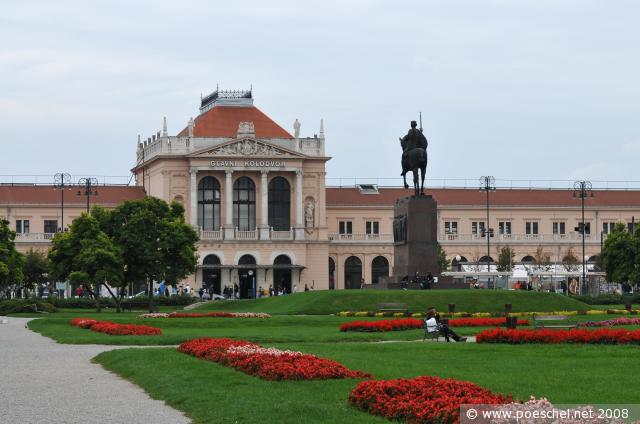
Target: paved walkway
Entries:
(42, 381)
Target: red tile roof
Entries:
(222, 121)
(48, 195)
(349, 196)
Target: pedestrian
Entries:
(200, 292)
(306, 287)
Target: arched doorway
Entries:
(211, 275)
(247, 277)
(244, 204)
(279, 204)
(352, 272)
(282, 274)
(528, 259)
(332, 274)
(379, 268)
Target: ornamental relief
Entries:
(246, 147)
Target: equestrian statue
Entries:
(414, 157)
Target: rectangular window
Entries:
(22, 226)
(531, 228)
(504, 227)
(346, 227)
(450, 227)
(608, 227)
(373, 227)
(587, 228)
(50, 226)
(559, 228)
(477, 228)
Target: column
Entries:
(264, 205)
(299, 227)
(193, 198)
(229, 233)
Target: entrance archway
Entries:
(282, 275)
(379, 268)
(247, 277)
(352, 272)
(332, 274)
(211, 276)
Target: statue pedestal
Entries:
(415, 237)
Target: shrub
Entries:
(14, 306)
(139, 302)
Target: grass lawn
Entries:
(209, 392)
(332, 301)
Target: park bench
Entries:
(392, 307)
(541, 321)
(430, 335)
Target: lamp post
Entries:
(89, 184)
(488, 184)
(61, 181)
(582, 189)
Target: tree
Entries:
(570, 260)
(542, 260)
(619, 253)
(155, 241)
(85, 254)
(505, 259)
(443, 262)
(35, 268)
(11, 261)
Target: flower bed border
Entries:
(413, 323)
(485, 314)
(547, 336)
(114, 328)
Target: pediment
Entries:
(247, 146)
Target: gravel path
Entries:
(42, 381)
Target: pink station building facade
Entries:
(258, 197)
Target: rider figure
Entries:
(413, 139)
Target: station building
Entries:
(257, 195)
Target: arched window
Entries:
(379, 268)
(485, 259)
(209, 204)
(244, 204)
(279, 204)
(332, 274)
(352, 273)
(528, 259)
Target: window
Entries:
(559, 228)
(531, 228)
(279, 204)
(50, 226)
(22, 226)
(209, 204)
(477, 228)
(608, 227)
(450, 227)
(345, 227)
(373, 227)
(244, 204)
(587, 228)
(504, 227)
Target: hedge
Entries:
(139, 302)
(14, 306)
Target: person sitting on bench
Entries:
(433, 324)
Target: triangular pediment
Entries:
(246, 146)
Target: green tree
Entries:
(85, 254)
(35, 268)
(11, 261)
(505, 259)
(570, 260)
(619, 255)
(156, 242)
(443, 262)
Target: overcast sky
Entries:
(518, 89)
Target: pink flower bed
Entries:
(267, 363)
(611, 322)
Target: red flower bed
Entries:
(267, 363)
(600, 336)
(412, 323)
(482, 322)
(108, 327)
(421, 399)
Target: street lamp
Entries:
(89, 184)
(488, 184)
(61, 181)
(582, 189)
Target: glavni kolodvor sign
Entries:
(249, 163)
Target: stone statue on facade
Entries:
(414, 157)
(296, 129)
(308, 214)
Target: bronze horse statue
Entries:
(414, 158)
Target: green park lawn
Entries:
(211, 393)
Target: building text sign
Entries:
(249, 163)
